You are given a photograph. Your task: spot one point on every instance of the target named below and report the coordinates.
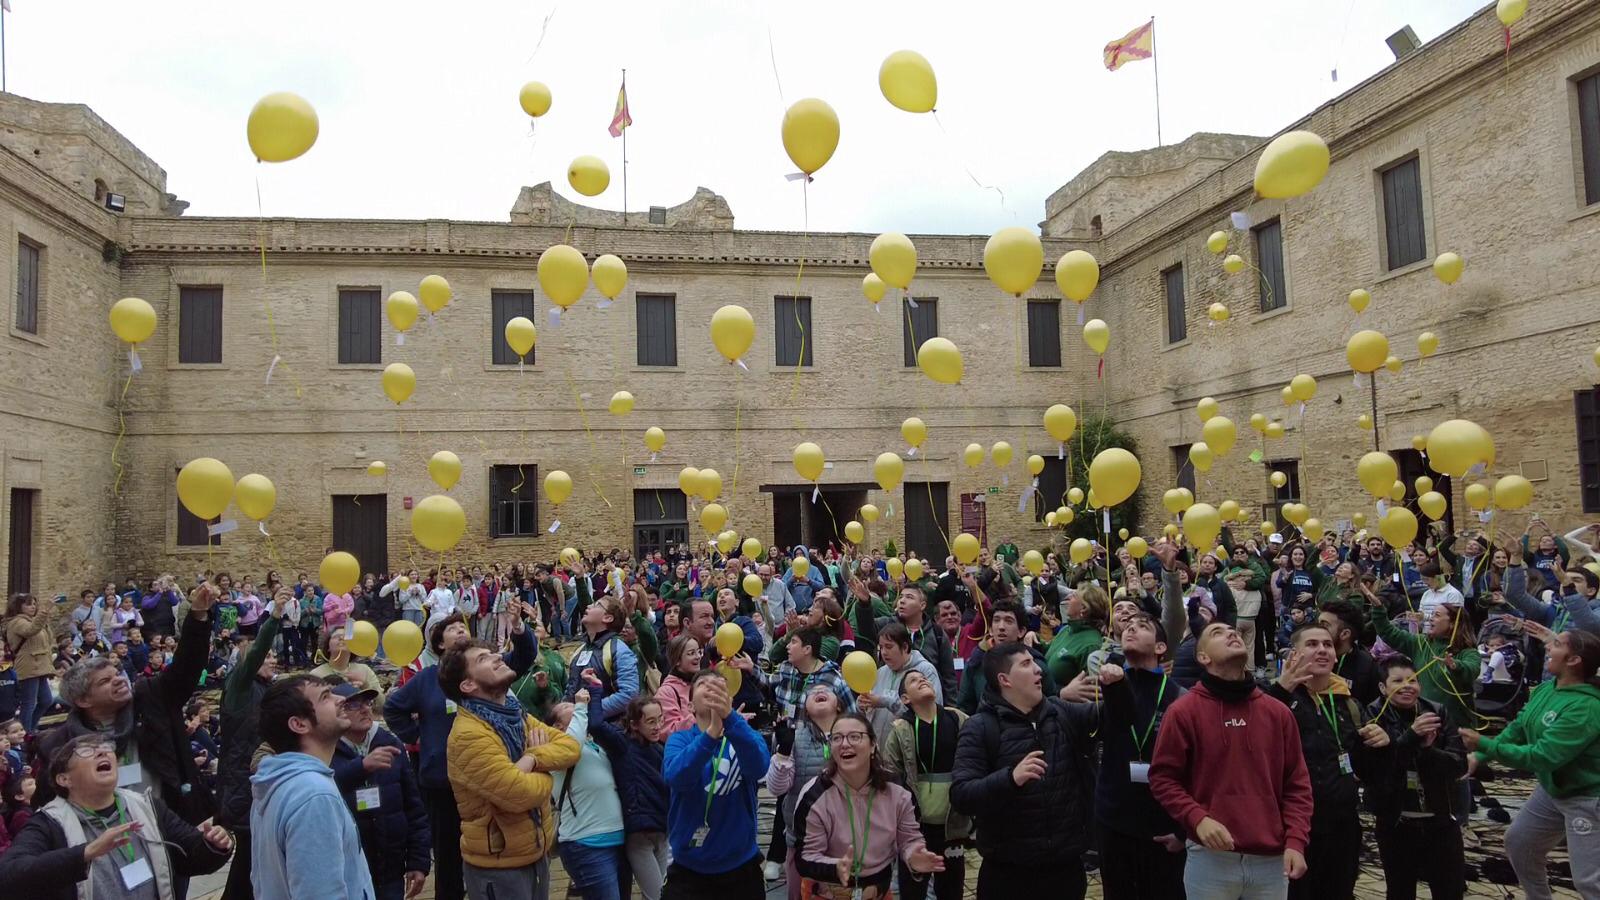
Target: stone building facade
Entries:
(1495, 154)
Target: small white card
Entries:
(1139, 772)
(367, 798)
(136, 873)
(130, 774)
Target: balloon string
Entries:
(122, 432)
(738, 414)
(266, 293)
(962, 163)
(805, 249)
(594, 449)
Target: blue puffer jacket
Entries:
(636, 765)
(394, 836)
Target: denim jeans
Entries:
(414, 616)
(33, 698)
(597, 872)
(1540, 826)
(531, 882)
(1221, 875)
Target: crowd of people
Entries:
(1185, 723)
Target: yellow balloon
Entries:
(1296, 513)
(1171, 531)
(1013, 259)
(621, 403)
(1278, 479)
(1432, 504)
(1081, 550)
(751, 549)
(1288, 395)
(339, 572)
(733, 330)
(895, 566)
(1419, 443)
(1428, 342)
(1077, 275)
(907, 81)
(1457, 445)
(1228, 510)
(801, 566)
(205, 487)
(713, 516)
(1097, 335)
(563, 274)
(1423, 484)
(873, 287)
(1091, 500)
(256, 496)
(521, 335)
(558, 487)
(610, 275)
(1398, 526)
(1393, 364)
(1274, 429)
(810, 134)
(444, 468)
(535, 98)
(1180, 500)
(893, 258)
(1359, 520)
(1201, 456)
(1258, 422)
(589, 175)
(940, 360)
(808, 460)
(1060, 422)
(729, 638)
(133, 320)
(869, 513)
(913, 570)
(1206, 408)
(654, 439)
(689, 481)
(732, 676)
(402, 309)
(1217, 242)
(1064, 516)
(1510, 12)
(1292, 164)
(1447, 267)
(727, 540)
(1220, 434)
(1035, 464)
(1001, 454)
(888, 469)
(1114, 475)
(570, 557)
(363, 638)
(1397, 492)
(1377, 471)
(438, 522)
(1233, 264)
(973, 455)
(434, 292)
(1359, 299)
(1364, 422)
(853, 532)
(1366, 351)
(1201, 525)
(1513, 492)
(398, 382)
(1478, 496)
(859, 670)
(1303, 387)
(1075, 495)
(1312, 529)
(402, 642)
(914, 430)
(710, 484)
(377, 467)
(965, 548)
(1050, 519)
(1137, 547)
(282, 126)
(1267, 528)
(1033, 561)
(1217, 312)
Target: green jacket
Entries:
(236, 693)
(1556, 737)
(1258, 574)
(647, 648)
(675, 591)
(540, 700)
(1450, 687)
(1069, 650)
(900, 752)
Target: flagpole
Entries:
(624, 158)
(3, 47)
(1156, 61)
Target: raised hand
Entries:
(109, 840)
(1296, 671)
(379, 759)
(1030, 768)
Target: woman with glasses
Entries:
(122, 843)
(853, 823)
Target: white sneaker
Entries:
(772, 871)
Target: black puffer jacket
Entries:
(394, 836)
(1334, 790)
(1047, 819)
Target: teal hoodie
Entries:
(299, 815)
(1556, 737)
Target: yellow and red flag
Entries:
(620, 119)
(1136, 44)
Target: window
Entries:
(658, 329)
(199, 325)
(1289, 493)
(1269, 259)
(513, 501)
(927, 521)
(794, 338)
(1052, 488)
(660, 521)
(1587, 406)
(1177, 323)
(194, 531)
(28, 254)
(658, 215)
(1096, 227)
(19, 574)
(360, 331)
(1589, 135)
(1182, 466)
(1411, 465)
(505, 306)
(975, 516)
(1402, 214)
(1044, 333)
(917, 325)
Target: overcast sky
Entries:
(419, 114)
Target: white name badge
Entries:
(130, 774)
(449, 707)
(136, 873)
(368, 798)
(584, 657)
(960, 664)
(1139, 772)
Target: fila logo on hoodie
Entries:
(1235, 723)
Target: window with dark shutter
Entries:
(505, 306)
(657, 318)
(1587, 405)
(917, 325)
(927, 516)
(1282, 496)
(1044, 333)
(513, 501)
(1177, 321)
(1184, 468)
(199, 324)
(1403, 233)
(1269, 259)
(792, 330)
(194, 531)
(360, 328)
(1589, 135)
(28, 257)
(1052, 488)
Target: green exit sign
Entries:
(638, 471)
(994, 490)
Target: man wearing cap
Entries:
(372, 773)
(420, 713)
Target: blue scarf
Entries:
(505, 718)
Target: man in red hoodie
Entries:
(1228, 768)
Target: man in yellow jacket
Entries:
(499, 760)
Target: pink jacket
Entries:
(823, 832)
(336, 609)
(677, 713)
